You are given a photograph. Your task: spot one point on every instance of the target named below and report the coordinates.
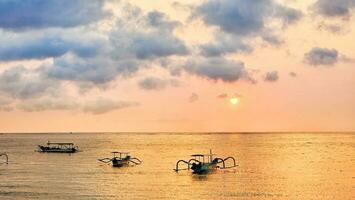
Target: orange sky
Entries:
(321, 97)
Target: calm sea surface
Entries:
(271, 166)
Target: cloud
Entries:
(245, 18)
(293, 74)
(154, 83)
(89, 57)
(98, 106)
(222, 96)
(5, 104)
(225, 95)
(40, 105)
(22, 83)
(224, 45)
(193, 97)
(102, 106)
(321, 56)
(331, 8)
(272, 39)
(48, 44)
(271, 76)
(239, 24)
(147, 45)
(182, 6)
(34, 14)
(97, 70)
(218, 69)
(5, 101)
(333, 28)
(153, 39)
(161, 20)
(6, 108)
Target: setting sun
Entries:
(234, 101)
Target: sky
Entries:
(177, 66)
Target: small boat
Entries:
(205, 163)
(6, 158)
(123, 159)
(58, 147)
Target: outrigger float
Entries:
(123, 159)
(204, 163)
(6, 158)
(58, 147)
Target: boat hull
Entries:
(204, 168)
(119, 163)
(56, 150)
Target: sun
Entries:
(234, 100)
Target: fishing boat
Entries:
(6, 158)
(58, 147)
(122, 159)
(205, 163)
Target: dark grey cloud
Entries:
(218, 69)
(34, 14)
(193, 97)
(34, 46)
(271, 76)
(224, 45)
(151, 45)
(155, 83)
(102, 106)
(321, 56)
(154, 38)
(245, 18)
(286, 14)
(97, 70)
(331, 8)
(20, 82)
(161, 20)
(241, 22)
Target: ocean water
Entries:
(271, 166)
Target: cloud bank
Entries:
(241, 21)
(18, 15)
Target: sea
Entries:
(270, 166)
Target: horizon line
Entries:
(180, 132)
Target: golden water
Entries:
(271, 166)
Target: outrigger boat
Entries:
(58, 147)
(204, 163)
(6, 158)
(123, 159)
